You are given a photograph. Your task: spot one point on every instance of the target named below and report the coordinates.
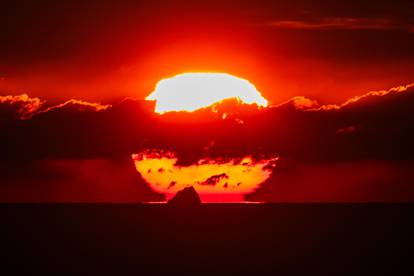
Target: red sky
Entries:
(71, 137)
(108, 50)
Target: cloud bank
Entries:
(378, 124)
(375, 127)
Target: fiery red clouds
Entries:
(21, 106)
(376, 128)
(24, 107)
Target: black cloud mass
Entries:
(375, 127)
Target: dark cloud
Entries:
(23, 107)
(300, 103)
(354, 181)
(65, 180)
(213, 180)
(366, 97)
(18, 107)
(376, 129)
(377, 125)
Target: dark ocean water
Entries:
(211, 239)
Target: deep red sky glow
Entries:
(326, 88)
(105, 51)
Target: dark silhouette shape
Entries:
(213, 180)
(172, 184)
(186, 197)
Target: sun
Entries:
(215, 180)
(192, 91)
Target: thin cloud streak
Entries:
(303, 103)
(343, 23)
(79, 105)
(24, 107)
(394, 90)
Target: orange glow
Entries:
(214, 180)
(192, 91)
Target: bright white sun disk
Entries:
(192, 91)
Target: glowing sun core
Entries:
(192, 91)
